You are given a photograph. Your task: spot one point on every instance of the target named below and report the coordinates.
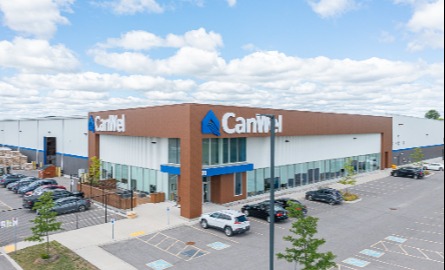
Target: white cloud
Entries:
(38, 18)
(142, 40)
(232, 3)
(427, 25)
(332, 8)
(31, 55)
(134, 6)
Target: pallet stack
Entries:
(14, 159)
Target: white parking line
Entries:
(413, 238)
(430, 232)
(390, 264)
(227, 239)
(266, 223)
(432, 225)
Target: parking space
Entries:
(398, 225)
(11, 210)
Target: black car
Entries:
(28, 202)
(328, 195)
(14, 187)
(31, 187)
(7, 179)
(262, 210)
(285, 203)
(414, 172)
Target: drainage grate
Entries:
(159, 265)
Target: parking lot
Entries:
(398, 224)
(10, 209)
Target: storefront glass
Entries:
(296, 175)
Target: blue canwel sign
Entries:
(211, 124)
(91, 124)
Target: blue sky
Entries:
(68, 57)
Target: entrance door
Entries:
(206, 187)
(173, 187)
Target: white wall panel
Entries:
(311, 148)
(411, 132)
(134, 151)
(75, 138)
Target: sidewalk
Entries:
(158, 217)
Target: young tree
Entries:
(349, 180)
(304, 250)
(349, 177)
(417, 156)
(45, 222)
(432, 114)
(94, 170)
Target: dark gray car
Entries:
(71, 204)
(328, 195)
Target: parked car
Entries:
(230, 221)
(29, 201)
(433, 166)
(328, 195)
(10, 178)
(35, 185)
(262, 210)
(43, 188)
(71, 204)
(22, 182)
(285, 203)
(414, 172)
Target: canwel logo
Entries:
(211, 124)
(91, 124)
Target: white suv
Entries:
(433, 166)
(230, 221)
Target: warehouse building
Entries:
(204, 153)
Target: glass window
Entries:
(251, 187)
(234, 150)
(238, 184)
(174, 151)
(206, 151)
(226, 151)
(242, 149)
(124, 174)
(214, 153)
(118, 172)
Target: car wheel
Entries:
(246, 213)
(310, 198)
(204, 224)
(228, 231)
(396, 174)
(332, 203)
(441, 169)
(269, 220)
(82, 208)
(416, 177)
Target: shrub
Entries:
(349, 197)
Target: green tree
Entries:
(432, 114)
(45, 222)
(94, 170)
(417, 156)
(350, 173)
(304, 250)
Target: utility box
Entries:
(48, 171)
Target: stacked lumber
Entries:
(14, 159)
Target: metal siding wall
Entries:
(134, 151)
(311, 148)
(411, 132)
(75, 141)
(28, 136)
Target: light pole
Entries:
(272, 190)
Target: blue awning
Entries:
(211, 170)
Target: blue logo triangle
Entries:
(91, 124)
(211, 124)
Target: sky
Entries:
(71, 57)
